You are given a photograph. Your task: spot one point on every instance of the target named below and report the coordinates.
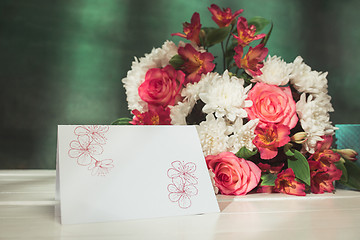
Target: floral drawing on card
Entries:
(88, 147)
(183, 181)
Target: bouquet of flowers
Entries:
(263, 124)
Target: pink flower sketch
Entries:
(181, 192)
(84, 149)
(183, 183)
(101, 168)
(185, 172)
(88, 146)
(95, 132)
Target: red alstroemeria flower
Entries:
(323, 154)
(274, 169)
(223, 18)
(246, 34)
(191, 30)
(269, 138)
(195, 63)
(154, 116)
(286, 183)
(323, 171)
(322, 177)
(252, 62)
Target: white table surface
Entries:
(27, 212)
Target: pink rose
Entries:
(162, 86)
(272, 104)
(233, 175)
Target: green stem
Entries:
(222, 48)
(226, 48)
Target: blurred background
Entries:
(62, 61)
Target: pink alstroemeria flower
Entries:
(269, 138)
(95, 132)
(101, 168)
(252, 62)
(286, 183)
(195, 63)
(191, 30)
(323, 154)
(185, 172)
(246, 34)
(154, 116)
(181, 192)
(84, 149)
(223, 18)
(323, 171)
(323, 177)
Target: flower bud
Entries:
(348, 154)
(299, 137)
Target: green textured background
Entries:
(62, 61)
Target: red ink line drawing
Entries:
(186, 172)
(87, 146)
(84, 150)
(101, 168)
(183, 183)
(95, 132)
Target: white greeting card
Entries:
(110, 173)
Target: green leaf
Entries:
(287, 150)
(353, 172)
(215, 35)
(122, 121)
(176, 61)
(299, 164)
(245, 153)
(268, 179)
(344, 177)
(266, 38)
(259, 23)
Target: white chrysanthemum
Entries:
(314, 118)
(179, 112)
(225, 96)
(159, 57)
(190, 94)
(275, 72)
(213, 134)
(307, 81)
(243, 135)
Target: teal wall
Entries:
(62, 61)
